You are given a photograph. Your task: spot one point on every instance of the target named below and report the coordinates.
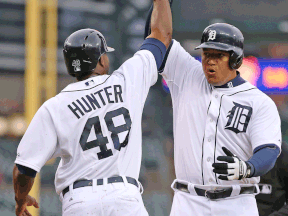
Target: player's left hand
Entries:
(234, 168)
(21, 210)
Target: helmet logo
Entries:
(76, 64)
(212, 35)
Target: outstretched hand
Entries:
(233, 169)
(21, 205)
(147, 30)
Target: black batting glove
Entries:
(233, 168)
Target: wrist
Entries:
(250, 169)
(20, 200)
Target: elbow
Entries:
(164, 36)
(168, 39)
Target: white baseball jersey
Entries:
(93, 125)
(206, 119)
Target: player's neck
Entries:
(93, 75)
(228, 79)
(89, 76)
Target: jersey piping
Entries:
(217, 128)
(216, 134)
(242, 91)
(203, 148)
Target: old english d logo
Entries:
(238, 118)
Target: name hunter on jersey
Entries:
(83, 105)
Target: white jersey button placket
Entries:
(209, 142)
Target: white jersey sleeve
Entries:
(39, 142)
(266, 125)
(179, 65)
(140, 73)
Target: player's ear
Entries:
(101, 61)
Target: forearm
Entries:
(263, 160)
(161, 22)
(22, 185)
(147, 30)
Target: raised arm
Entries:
(161, 22)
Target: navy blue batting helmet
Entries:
(82, 51)
(225, 37)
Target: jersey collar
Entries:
(86, 84)
(238, 80)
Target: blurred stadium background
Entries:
(263, 23)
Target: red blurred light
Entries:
(250, 69)
(274, 77)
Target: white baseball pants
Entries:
(187, 204)
(114, 199)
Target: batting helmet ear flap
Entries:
(235, 60)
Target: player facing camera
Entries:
(222, 52)
(226, 131)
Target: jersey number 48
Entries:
(102, 141)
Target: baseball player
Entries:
(226, 131)
(94, 125)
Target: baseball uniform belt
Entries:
(217, 193)
(84, 183)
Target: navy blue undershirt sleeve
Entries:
(26, 170)
(160, 70)
(156, 47)
(263, 159)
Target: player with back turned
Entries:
(226, 131)
(94, 125)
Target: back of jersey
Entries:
(97, 123)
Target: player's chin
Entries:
(212, 80)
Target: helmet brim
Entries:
(220, 46)
(110, 49)
(216, 45)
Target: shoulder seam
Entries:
(88, 88)
(241, 91)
